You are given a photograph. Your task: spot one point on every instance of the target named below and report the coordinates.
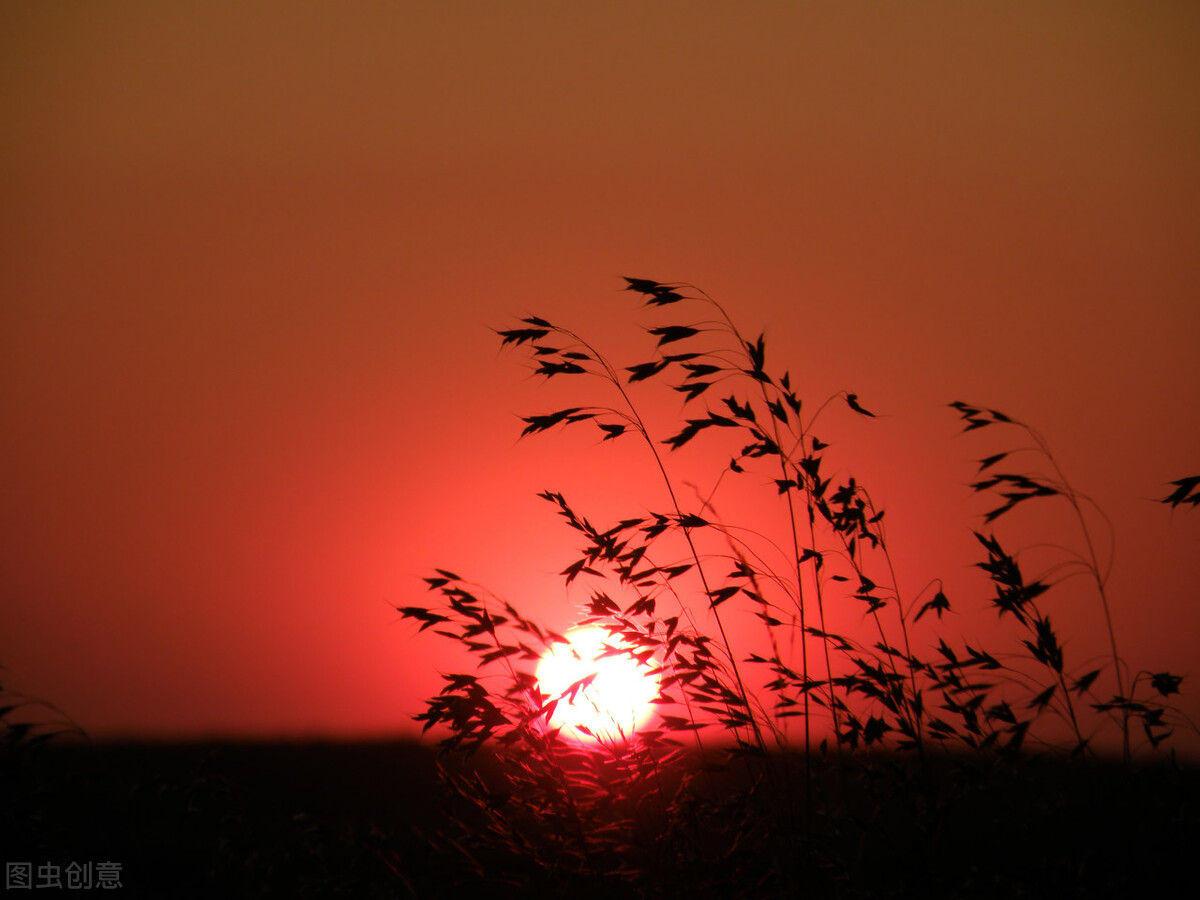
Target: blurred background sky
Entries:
(250, 254)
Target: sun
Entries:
(613, 704)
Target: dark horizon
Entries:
(370, 819)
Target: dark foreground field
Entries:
(368, 820)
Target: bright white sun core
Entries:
(614, 704)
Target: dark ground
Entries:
(231, 819)
(356, 820)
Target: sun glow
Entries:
(613, 704)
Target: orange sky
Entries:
(250, 254)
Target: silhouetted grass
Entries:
(888, 761)
(891, 760)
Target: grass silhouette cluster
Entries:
(809, 757)
(789, 756)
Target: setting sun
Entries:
(613, 704)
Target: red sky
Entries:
(250, 255)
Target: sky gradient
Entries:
(250, 257)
